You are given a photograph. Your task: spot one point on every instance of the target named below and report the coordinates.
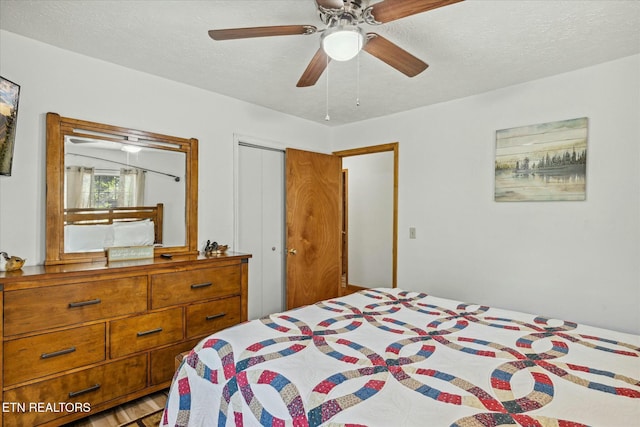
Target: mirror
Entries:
(111, 186)
(370, 223)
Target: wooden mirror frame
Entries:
(57, 129)
(393, 147)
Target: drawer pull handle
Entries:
(57, 353)
(86, 390)
(149, 332)
(83, 303)
(216, 316)
(201, 285)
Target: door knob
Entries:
(292, 251)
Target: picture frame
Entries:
(125, 253)
(542, 162)
(9, 97)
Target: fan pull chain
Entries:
(358, 80)
(327, 118)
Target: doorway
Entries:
(370, 223)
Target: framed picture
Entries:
(9, 95)
(543, 162)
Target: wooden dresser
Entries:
(81, 338)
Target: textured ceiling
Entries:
(471, 47)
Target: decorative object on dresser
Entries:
(12, 263)
(124, 253)
(211, 249)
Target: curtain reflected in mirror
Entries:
(130, 187)
(78, 187)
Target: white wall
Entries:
(573, 260)
(77, 86)
(370, 211)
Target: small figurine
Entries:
(210, 247)
(214, 248)
(13, 262)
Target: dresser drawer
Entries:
(194, 285)
(34, 357)
(206, 318)
(163, 361)
(143, 332)
(91, 386)
(53, 306)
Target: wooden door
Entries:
(314, 226)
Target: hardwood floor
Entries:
(124, 413)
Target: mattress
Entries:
(389, 357)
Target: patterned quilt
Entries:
(388, 357)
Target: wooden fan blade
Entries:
(394, 55)
(314, 70)
(244, 33)
(330, 4)
(390, 10)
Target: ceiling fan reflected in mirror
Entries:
(343, 38)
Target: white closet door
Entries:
(261, 226)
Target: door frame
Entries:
(345, 230)
(393, 147)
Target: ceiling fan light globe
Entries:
(343, 43)
(131, 148)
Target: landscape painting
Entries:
(9, 94)
(543, 162)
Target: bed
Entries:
(389, 357)
(94, 229)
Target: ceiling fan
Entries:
(343, 37)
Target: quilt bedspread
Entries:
(388, 357)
